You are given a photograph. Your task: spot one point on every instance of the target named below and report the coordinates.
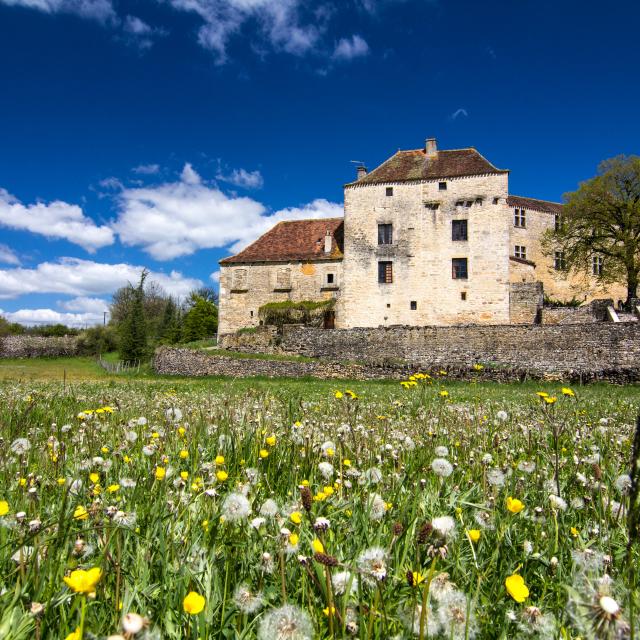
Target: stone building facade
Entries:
(430, 237)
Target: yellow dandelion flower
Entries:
(74, 635)
(338, 394)
(574, 532)
(264, 453)
(221, 475)
(271, 440)
(80, 513)
(161, 472)
(444, 394)
(184, 475)
(94, 477)
(193, 603)
(184, 454)
(317, 546)
(296, 517)
(294, 538)
(61, 481)
(474, 534)
(514, 505)
(417, 578)
(550, 399)
(516, 587)
(219, 460)
(346, 462)
(4, 507)
(82, 581)
(113, 488)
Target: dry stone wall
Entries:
(37, 346)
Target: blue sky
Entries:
(169, 133)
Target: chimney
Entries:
(327, 242)
(362, 172)
(431, 148)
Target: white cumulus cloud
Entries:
(33, 317)
(85, 278)
(85, 304)
(243, 178)
(54, 220)
(7, 255)
(101, 10)
(179, 218)
(147, 169)
(350, 48)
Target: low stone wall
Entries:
(595, 311)
(38, 347)
(188, 362)
(571, 349)
(259, 340)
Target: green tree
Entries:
(600, 225)
(200, 321)
(169, 329)
(133, 329)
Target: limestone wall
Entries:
(38, 347)
(525, 302)
(245, 288)
(556, 284)
(535, 348)
(422, 252)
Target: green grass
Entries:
(156, 539)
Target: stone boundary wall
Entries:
(595, 311)
(38, 347)
(188, 362)
(540, 349)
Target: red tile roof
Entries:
(295, 240)
(405, 166)
(536, 205)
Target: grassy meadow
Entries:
(145, 508)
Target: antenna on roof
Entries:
(360, 162)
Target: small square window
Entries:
(463, 295)
(459, 269)
(330, 278)
(496, 200)
(442, 186)
(559, 261)
(519, 218)
(251, 312)
(458, 230)
(414, 305)
(389, 191)
(520, 252)
(385, 272)
(469, 203)
(388, 306)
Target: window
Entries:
(385, 234)
(598, 261)
(519, 218)
(463, 295)
(496, 200)
(385, 272)
(283, 279)
(558, 221)
(330, 278)
(251, 312)
(469, 203)
(434, 206)
(460, 203)
(559, 262)
(442, 186)
(459, 269)
(414, 305)
(389, 191)
(458, 230)
(520, 252)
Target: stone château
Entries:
(430, 237)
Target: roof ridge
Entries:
(536, 199)
(311, 220)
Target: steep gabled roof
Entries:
(405, 166)
(536, 205)
(295, 240)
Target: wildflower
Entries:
(321, 524)
(326, 469)
(373, 564)
(219, 460)
(526, 466)
(444, 394)
(193, 603)
(566, 391)
(514, 505)
(74, 635)
(474, 534)
(294, 539)
(557, 503)
(412, 620)
(133, 623)
(317, 546)
(235, 507)
(414, 578)
(495, 477)
(80, 513)
(574, 532)
(516, 587)
(344, 581)
(338, 394)
(442, 468)
(542, 394)
(502, 415)
(247, 601)
(113, 488)
(550, 399)
(269, 508)
(184, 454)
(444, 525)
(441, 451)
(271, 440)
(221, 475)
(535, 623)
(346, 462)
(286, 623)
(94, 477)
(264, 453)
(4, 507)
(83, 581)
(623, 484)
(295, 517)
(161, 472)
(456, 616)
(20, 446)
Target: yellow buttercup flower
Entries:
(264, 453)
(444, 394)
(61, 481)
(219, 460)
(161, 472)
(346, 462)
(193, 603)
(296, 517)
(74, 635)
(271, 440)
(294, 538)
(516, 587)
(514, 505)
(566, 391)
(184, 475)
(80, 513)
(94, 477)
(4, 507)
(574, 532)
(184, 454)
(474, 534)
(338, 394)
(328, 610)
(112, 488)
(83, 581)
(318, 547)
(221, 475)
